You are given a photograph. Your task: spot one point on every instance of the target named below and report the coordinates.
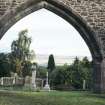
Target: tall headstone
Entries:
(14, 78)
(2, 81)
(27, 82)
(84, 84)
(34, 79)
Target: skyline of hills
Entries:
(42, 59)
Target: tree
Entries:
(76, 68)
(20, 51)
(20, 47)
(27, 71)
(87, 71)
(81, 70)
(59, 76)
(73, 75)
(51, 63)
(41, 72)
(5, 67)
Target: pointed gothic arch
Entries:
(14, 15)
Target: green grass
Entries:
(51, 98)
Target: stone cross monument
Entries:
(34, 76)
(47, 86)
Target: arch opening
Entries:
(57, 41)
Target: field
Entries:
(51, 98)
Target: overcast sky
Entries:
(50, 34)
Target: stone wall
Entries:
(91, 11)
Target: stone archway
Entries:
(16, 12)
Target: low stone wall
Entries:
(18, 81)
(10, 81)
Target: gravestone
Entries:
(27, 81)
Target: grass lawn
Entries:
(51, 98)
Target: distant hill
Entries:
(59, 60)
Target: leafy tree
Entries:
(41, 72)
(58, 75)
(20, 52)
(20, 47)
(81, 70)
(87, 71)
(76, 68)
(19, 60)
(73, 74)
(27, 71)
(5, 67)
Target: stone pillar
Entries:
(103, 76)
(84, 84)
(47, 86)
(42, 84)
(99, 76)
(96, 76)
(34, 79)
(14, 78)
(2, 83)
